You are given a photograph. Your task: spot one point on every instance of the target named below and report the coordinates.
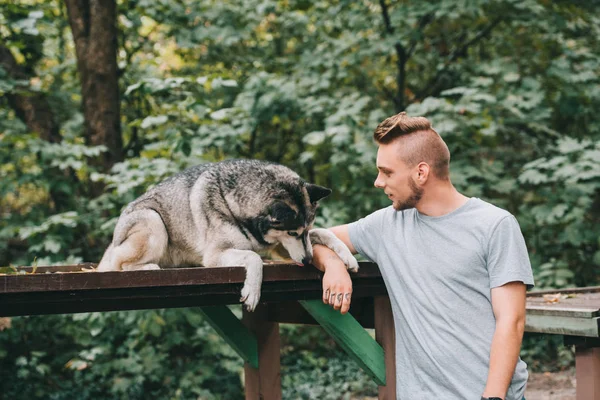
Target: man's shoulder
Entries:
(381, 218)
(486, 213)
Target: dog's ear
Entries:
(316, 192)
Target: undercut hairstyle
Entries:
(419, 142)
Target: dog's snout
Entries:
(307, 260)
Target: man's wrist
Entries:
(334, 263)
(325, 259)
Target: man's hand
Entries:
(337, 285)
(337, 288)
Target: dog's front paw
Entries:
(328, 239)
(351, 263)
(347, 258)
(250, 296)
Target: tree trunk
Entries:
(32, 108)
(94, 27)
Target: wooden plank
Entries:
(563, 310)
(351, 337)
(230, 328)
(587, 373)
(385, 335)
(42, 269)
(588, 289)
(44, 282)
(591, 299)
(562, 325)
(59, 293)
(264, 382)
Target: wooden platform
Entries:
(288, 296)
(573, 312)
(78, 288)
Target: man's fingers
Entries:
(326, 295)
(332, 297)
(346, 303)
(337, 300)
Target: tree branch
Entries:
(386, 17)
(423, 22)
(31, 107)
(402, 58)
(459, 51)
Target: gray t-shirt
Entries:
(438, 272)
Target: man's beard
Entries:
(412, 200)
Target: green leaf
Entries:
(154, 121)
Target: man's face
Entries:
(395, 178)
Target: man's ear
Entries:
(316, 192)
(423, 170)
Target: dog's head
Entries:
(289, 218)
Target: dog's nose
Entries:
(307, 260)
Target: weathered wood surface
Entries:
(263, 382)
(78, 288)
(577, 302)
(573, 312)
(57, 290)
(587, 373)
(385, 334)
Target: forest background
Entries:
(102, 99)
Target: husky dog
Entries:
(222, 214)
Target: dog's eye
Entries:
(295, 234)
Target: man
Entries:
(456, 270)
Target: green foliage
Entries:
(170, 354)
(512, 86)
(546, 353)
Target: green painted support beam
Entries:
(233, 331)
(351, 337)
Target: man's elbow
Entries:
(520, 325)
(514, 323)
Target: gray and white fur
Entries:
(222, 214)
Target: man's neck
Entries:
(440, 199)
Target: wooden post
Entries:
(264, 382)
(587, 372)
(385, 335)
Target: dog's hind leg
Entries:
(254, 272)
(139, 244)
(105, 263)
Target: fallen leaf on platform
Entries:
(552, 298)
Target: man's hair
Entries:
(420, 143)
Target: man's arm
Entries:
(508, 303)
(337, 285)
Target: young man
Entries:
(456, 270)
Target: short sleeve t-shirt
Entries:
(438, 272)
